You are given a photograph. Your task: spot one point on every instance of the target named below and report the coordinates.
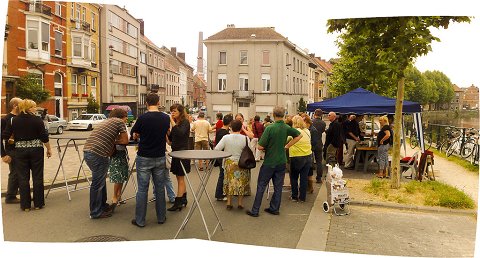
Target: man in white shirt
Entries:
(202, 128)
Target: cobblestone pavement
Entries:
(402, 233)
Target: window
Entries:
(150, 59)
(243, 57)
(223, 58)
(131, 90)
(115, 66)
(222, 82)
(155, 61)
(143, 80)
(45, 36)
(132, 51)
(86, 50)
(58, 43)
(94, 52)
(266, 82)
(93, 21)
(72, 11)
(287, 59)
(58, 9)
(132, 30)
(32, 32)
(243, 80)
(38, 75)
(243, 104)
(116, 44)
(84, 14)
(73, 83)
(294, 65)
(116, 21)
(83, 83)
(77, 46)
(77, 12)
(266, 58)
(94, 82)
(143, 58)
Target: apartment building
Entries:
(154, 57)
(119, 57)
(457, 101)
(35, 43)
(324, 72)
(199, 91)
(83, 59)
(251, 70)
(185, 80)
(470, 99)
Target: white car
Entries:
(86, 122)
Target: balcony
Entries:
(243, 94)
(38, 7)
(81, 25)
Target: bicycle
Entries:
(451, 134)
(455, 146)
(470, 144)
(414, 140)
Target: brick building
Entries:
(35, 43)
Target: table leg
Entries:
(81, 166)
(61, 156)
(196, 201)
(130, 175)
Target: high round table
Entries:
(211, 156)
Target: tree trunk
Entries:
(395, 175)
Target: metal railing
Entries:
(38, 7)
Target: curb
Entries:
(412, 207)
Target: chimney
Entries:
(181, 55)
(200, 55)
(142, 26)
(174, 51)
(231, 25)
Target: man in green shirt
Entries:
(273, 141)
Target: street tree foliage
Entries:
(92, 106)
(302, 106)
(389, 46)
(29, 86)
(443, 87)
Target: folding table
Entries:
(70, 139)
(211, 156)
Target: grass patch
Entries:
(430, 193)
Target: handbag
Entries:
(247, 159)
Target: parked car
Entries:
(55, 124)
(86, 122)
(130, 117)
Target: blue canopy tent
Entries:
(361, 101)
(364, 102)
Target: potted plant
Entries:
(74, 94)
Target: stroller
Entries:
(337, 192)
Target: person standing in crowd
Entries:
(267, 121)
(333, 140)
(245, 130)
(219, 193)
(178, 139)
(352, 135)
(118, 169)
(383, 142)
(320, 126)
(300, 160)
(342, 120)
(151, 128)
(99, 146)
(8, 154)
(257, 128)
(273, 168)
(29, 137)
(201, 127)
(314, 139)
(361, 126)
(218, 124)
(236, 179)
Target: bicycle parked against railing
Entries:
(455, 146)
(451, 135)
(471, 143)
(414, 140)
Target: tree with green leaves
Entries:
(418, 88)
(302, 105)
(443, 87)
(395, 42)
(92, 106)
(29, 86)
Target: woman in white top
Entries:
(236, 180)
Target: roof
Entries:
(324, 64)
(361, 101)
(246, 33)
(169, 67)
(456, 88)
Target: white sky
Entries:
(177, 23)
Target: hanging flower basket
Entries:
(84, 95)
(74, 94)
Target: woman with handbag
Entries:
(301, 160)
(237, 180)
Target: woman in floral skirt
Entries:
(237, 180)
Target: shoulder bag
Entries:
(247, 159)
